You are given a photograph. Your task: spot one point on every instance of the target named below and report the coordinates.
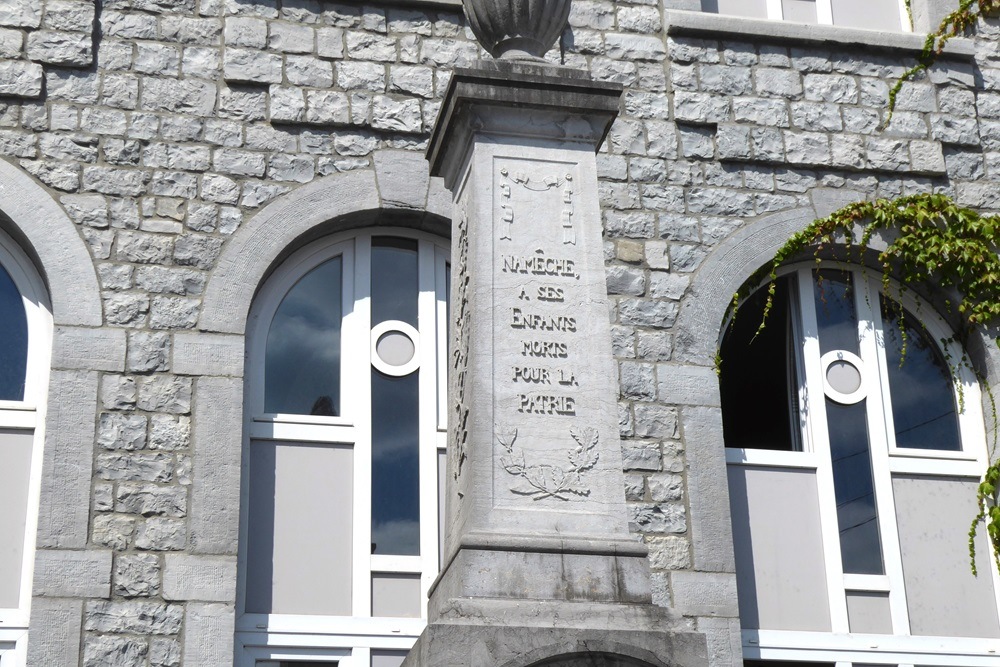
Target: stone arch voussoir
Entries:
(592, 652)
(37, 221)
(398, 191)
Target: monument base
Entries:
(558, 639)
(540, 567)
(530, 574)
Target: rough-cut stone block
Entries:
(669, 553)
(308, 71)
(927, 157)
(114, 651)
(291, 37)
(327, 106)
(20, 79)
(163, 393)
(733, 142)
(57, 47)
(247, 65)
(202, 578)
(661, 518)
(164, 652)
(887, 154)
(330, 42)
(21, 13)
(137, 575)
(135, 467)
(10, 43)
(772, 82)
(623, 46)
(88, 349)
(696, 107)
(118, 431)
(807, 147)
(135, 617)
(245, 31)
(150, 499)
(189, 96)
(161, 534)
(399, 115)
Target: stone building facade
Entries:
(162, 159)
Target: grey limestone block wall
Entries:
(163, 129)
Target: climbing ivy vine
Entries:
(958, 22)
(929, 240)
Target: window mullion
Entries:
(904, 17)
(880, 411)
(814, 411)
(356, 337)
(427, 303)
(824, 12)
(774, 11)
(441, 334)
(798, 395)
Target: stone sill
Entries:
(704, 24)
(455, 5)
(828, 167)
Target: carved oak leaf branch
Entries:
(546, 480)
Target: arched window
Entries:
(25, 343)
(344, 454)
(888, 15)
(855, 442)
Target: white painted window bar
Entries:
(840, 646)
(22, 419)
(361, 636)
(887, 15)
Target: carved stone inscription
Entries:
(535, 321)
(460, 344)
(540, 303)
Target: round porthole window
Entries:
(395, 348)
(842, 376)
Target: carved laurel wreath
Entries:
(545, 480)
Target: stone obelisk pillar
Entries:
(539, 565)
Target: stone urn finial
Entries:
(517, 29)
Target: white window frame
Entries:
(840, 646)
(27, 416)
(350, 640)
(824, 13)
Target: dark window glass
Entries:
(757, 378)
(920, 385)
(835, 314)
(13, 340)
(395, 464)
(854, 488)
(850, 450)
(302, 359)
(395, 401)
(394, 280)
